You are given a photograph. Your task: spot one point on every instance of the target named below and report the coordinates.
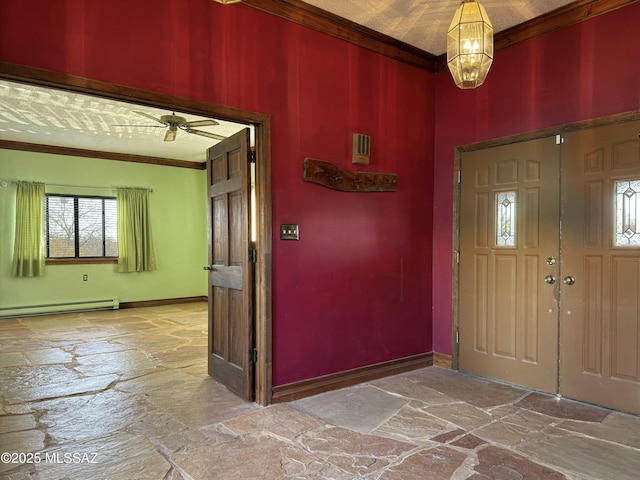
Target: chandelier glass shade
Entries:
(470, 45)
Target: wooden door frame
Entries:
(497, 142)
(262, 125)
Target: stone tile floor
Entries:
(125, 395)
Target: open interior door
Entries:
(231, 323)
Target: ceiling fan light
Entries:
(470, 45)
(170, 136)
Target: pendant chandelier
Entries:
(470, 45)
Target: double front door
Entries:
(549, 294)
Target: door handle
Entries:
(208, 267)
(550, 279)
(569, 280)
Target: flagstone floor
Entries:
(125, 395)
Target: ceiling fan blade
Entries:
(142, 126)
(201, 123)
(205, 134)
(151, 117)
(170, 136)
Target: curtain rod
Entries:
(15, 182)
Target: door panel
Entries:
(231, 273)
(600, 328)
(508, 229)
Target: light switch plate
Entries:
(289, 231)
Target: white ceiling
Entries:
(424, 23)
(46, 116)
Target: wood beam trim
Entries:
(613, 119)
(325, 383)
(320, 20)
(442, 360)
(557, 19)
(161, 302)
(338, 27)
(47, 78)
(79, 152)
(335, 26)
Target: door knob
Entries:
(569, 280)
(550, 279)
(207, 267)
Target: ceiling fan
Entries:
(175, 122)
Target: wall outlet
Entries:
(85, 277)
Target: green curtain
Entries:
(28, 250)
(135, 245)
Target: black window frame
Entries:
(77, 258)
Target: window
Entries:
(627, 210)
(506, 219)
(81, 227)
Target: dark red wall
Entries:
(356, 289)
(589, 70)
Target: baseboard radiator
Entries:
(30, 310)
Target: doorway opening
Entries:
(261, 126)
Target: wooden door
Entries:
(508, 320)
(231, 324)
(600, 315)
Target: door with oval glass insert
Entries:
(600, 293)
(509, 217)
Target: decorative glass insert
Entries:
(506, 219)
(627, 208)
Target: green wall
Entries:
(179, 227)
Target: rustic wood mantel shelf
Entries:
(328, 175)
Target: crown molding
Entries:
(338, 27)
(79, 152)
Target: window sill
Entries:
(79, 261)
